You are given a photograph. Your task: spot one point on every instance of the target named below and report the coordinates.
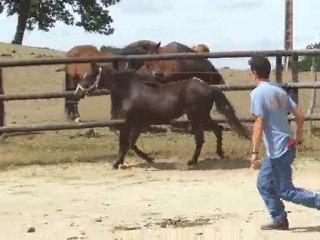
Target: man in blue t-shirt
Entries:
(270, 105)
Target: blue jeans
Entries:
(275, 183)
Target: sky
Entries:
(224, 25)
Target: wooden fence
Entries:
(291, 87)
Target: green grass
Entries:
(74, 146)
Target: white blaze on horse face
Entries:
(93, 86)
(79, 87)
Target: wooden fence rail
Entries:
(110, 123)
(235, 54)
(1, 102)
(14, 97)
(27, 96)
(167, 56)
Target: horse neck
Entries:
(119, 83)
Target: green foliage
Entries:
(92, 15)
(305, 62)
(111, 49)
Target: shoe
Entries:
(282, 225)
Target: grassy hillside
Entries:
(12, 52)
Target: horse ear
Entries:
(158, 44)
(93, 65)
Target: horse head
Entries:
(152, 66)
(91, 80)
(152, 48)
(137, 48)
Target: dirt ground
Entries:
(90, 201)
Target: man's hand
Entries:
(255, 163)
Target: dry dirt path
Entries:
(88, 201)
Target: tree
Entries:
(305, 62)
(92, 15)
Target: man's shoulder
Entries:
(258, 91)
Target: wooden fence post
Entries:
(295, 78)
(1, 101)
(279, 69)
(314, 71)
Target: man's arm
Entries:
(299, 118)
(257, 134)
(257, 110)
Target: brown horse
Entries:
(178, 69)
(74, 72)
(148, 102)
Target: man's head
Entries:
(260, 67)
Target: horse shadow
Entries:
(226, 163)
(156, 165)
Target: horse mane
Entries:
(141, 43)
(152, 84)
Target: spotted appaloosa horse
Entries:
(149, 102)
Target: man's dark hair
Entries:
(261, 65)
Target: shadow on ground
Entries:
(306, 229)
(206, 164)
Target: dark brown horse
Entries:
(147, 103)
(177, 69)
(74, 72)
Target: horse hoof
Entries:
(192, 162)
(221, 155)
(115, 166)
(150, 160)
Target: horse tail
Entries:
(224, 106)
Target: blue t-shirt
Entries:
(273, 104)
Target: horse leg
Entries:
(135, 133)
(116, 107)
(71, 108)
(217, 129)
(199, 139)
(71, 102)
(124, 140)
(76, 114)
